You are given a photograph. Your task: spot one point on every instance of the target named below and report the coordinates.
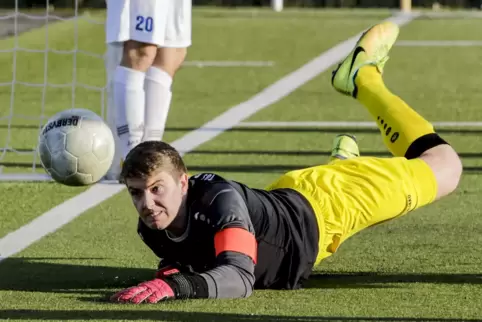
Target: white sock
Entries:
(129, 103)
(158, 99)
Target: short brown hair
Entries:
(149, 157)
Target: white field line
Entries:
(227, 63)
(62, 214)
(450, 14)
(438, 43)
(337, 124)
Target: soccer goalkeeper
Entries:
(217, 238)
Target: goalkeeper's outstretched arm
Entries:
(232, 278)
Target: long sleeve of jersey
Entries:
(232, 280)
(235, 246)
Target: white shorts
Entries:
(165, 23)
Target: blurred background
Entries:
(257, 3)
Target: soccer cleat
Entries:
(371, 49)
(344, 147)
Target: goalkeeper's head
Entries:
(157, 180)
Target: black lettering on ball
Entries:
(70, 121)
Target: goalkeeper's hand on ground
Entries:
(152, 291)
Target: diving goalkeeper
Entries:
(217, 238)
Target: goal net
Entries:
(51, 60)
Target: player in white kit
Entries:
(147, 43)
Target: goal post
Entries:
(51, 60)
(277, 5)
(406, 6)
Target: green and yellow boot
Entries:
(371, 49)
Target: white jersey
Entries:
(165, 23)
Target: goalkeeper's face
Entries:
(158, 197)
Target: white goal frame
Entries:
(47, 16)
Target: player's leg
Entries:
(112, 60)
(140, 26)
(351, 195)
(168, 60)
(405, 132)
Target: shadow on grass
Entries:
(278, 168)
(159, 315)
(39, 275)
(97, 283)
(375, 279)
(34, 274)
(314, 153)
(289, 153)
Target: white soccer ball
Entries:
(76, 147)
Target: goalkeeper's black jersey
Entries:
(282, 221)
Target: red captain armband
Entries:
(236, 240)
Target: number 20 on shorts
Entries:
(144, 23)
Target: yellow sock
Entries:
(399, 124)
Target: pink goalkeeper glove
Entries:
(150, 292)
